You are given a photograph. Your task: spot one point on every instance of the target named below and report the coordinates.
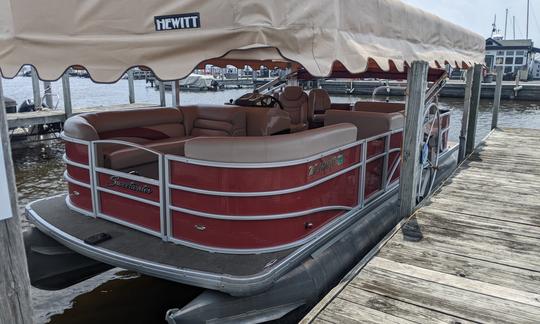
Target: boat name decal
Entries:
(174, 22)
(325, 165)
(133, 186)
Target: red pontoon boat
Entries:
(270, 198)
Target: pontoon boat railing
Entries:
(390, 157)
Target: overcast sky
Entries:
(478, 15)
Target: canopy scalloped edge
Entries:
(110, 37)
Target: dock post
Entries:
(497, 99)
(35, 87)
(162, 99)
(417, 85)
(66, 89)
(465, 118)
(473, 111)
(15, 306)
(131, 86)
(175, 93)
(47, 88)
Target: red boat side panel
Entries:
(247, 234)
(77, 152)
(130, 187)
(131, 211)
(374, 181)
(80, 197)
(375, 148)
(396, 140)
(257, 180)
(391, 161)
(341, 191)
(78, 174)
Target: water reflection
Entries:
(126, 297)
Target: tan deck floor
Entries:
(479, 260)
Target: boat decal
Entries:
(133, 186)
(175, 22)
(325, 165)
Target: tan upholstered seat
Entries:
(369, 124)
(214, 120)
(137, 126)
(271, 148)
(318, 103)
(377, 106)
(126, 157)
(295, 102)
(160, 129)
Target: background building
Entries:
(535, 69)
(514, 55)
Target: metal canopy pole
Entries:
(15, 306)
(473, 112)
(417, 85)
(465, 119)
(131, 86)
(162, 99)
(66, 88)
(497, 99)
(35, 87)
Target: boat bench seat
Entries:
(369, 124)
(378, 106)
(166, 130)
(230, 120)
(267, 149)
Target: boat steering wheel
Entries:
(431, 149)
(269, 101)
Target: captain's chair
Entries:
(295, 102)
(319, 102)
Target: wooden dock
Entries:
(59, 116)
(479, 259)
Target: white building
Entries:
(534, 72)
(513, 55)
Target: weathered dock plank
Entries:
(479, 259)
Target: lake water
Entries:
(119, 296)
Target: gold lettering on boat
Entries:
(325, 165)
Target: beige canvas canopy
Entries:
(172, 37)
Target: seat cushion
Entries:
(146, 123)
(295, 101)
(369, 124)
(264, 149)
(318, 102)
(210, 120)
(381, 107)
(126, 157)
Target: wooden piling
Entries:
(465, 118)
(473, 111)
(47, 88)
(131, 86)
(15, 306)
(35, 88)
(414, 119)
(497, 99)
(175, 93)
(66, 89)
(162, 99)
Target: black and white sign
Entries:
(173, 22)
